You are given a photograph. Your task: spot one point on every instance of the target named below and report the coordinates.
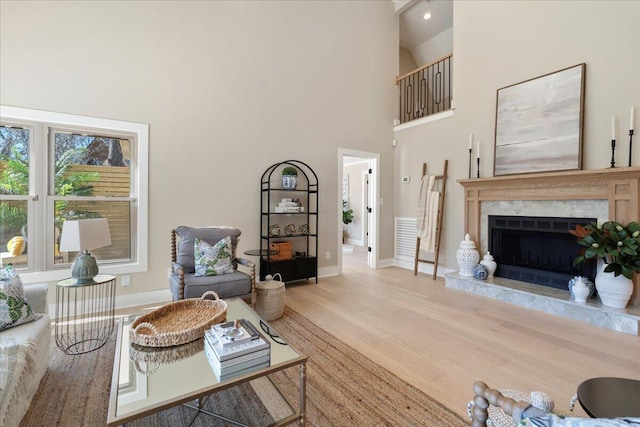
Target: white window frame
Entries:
(38, 200)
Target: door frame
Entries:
(374, 191)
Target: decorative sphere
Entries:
(480, 272)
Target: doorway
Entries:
(358, 225)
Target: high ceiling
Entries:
(415, 30)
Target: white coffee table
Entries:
(135, 394)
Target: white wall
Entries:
(407, 63)
(499, 43)
(435, 48)
(228, 88)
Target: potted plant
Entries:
(347, 217)
(289, 178)
(618, 246)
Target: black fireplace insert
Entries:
(537, 250)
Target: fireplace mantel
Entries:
(619, 186)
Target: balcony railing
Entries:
(425, 91)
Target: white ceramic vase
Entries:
(580, 291)
(490, 264)
(467, 256)
(614, 291)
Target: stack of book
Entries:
(289, 206)
(236, 348)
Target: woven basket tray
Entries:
(179, 322)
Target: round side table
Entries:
(609, 397)
(84, 313)
(261, 252)
(270, 299)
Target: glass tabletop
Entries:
(150, 380)
(261, 252)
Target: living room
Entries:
(229, 88)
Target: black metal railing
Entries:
(426, 90)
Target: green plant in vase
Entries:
(289, 178)
(619, 247)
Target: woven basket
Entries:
(179, 322)
(270, 299)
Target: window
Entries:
(55, 167)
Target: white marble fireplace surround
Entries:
(603, 194)
(549, 208)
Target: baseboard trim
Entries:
(383, 263)
(328, 271)
(408, 263)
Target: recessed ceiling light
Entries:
(427, 15)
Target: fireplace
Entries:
(537, 250)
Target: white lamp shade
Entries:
(84, 234)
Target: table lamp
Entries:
(83, 235)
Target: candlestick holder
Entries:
(478, 162)
(469, 163)
(630, 144)
(613, 153)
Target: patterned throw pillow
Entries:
(14, 308)
(213, 260)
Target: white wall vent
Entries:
(405, 237)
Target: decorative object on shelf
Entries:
(490, 264)
(83, 235)
(288, 205)
(539, 123)
(301, 254)
(289, 178)
(283, 250)
(274, 230)
(480, 272)
(580, 291)
(588, 283)
(619, 247)
(303, 229)
(467, 256)
(290, 229)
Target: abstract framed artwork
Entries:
(539, 124)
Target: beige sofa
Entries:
(24, 357)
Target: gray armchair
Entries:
(183, 281)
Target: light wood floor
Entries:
(441, 340)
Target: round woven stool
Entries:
(270, 299)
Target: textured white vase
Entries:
(614, 291)
(467, 256)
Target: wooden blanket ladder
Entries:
(442, 180)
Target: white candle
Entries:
(613, 128)
(478, 150)
(631, 118)
(471, 135)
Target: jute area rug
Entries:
(344, 388)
